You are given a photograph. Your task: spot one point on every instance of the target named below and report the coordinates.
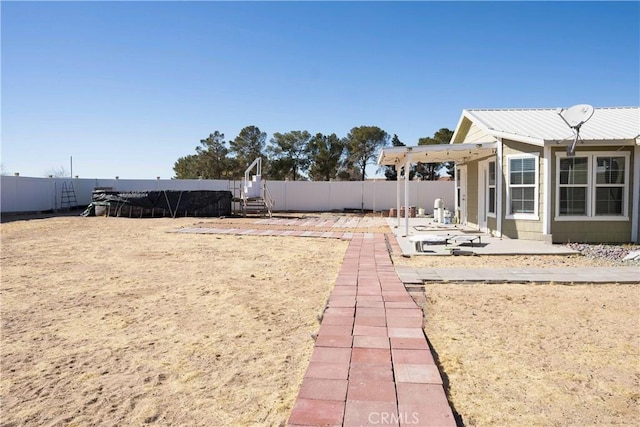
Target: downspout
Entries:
(635, 207)
(546, 173)
(499, 185)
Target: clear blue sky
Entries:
(128, 87)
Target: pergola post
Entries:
(407, 169)
(397, 166)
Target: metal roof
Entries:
(533, 126)
(539, 125)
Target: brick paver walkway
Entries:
(230, 230)
(371, 364)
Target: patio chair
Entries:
(421, 240)
(461, 239)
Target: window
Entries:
(492, 188)
(573, 183)
(610, 184)
(592, 185)
(523, 172)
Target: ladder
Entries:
(68, 198)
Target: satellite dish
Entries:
(575, 117)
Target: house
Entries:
(515, 179)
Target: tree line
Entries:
(298, 155)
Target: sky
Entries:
(126, 88)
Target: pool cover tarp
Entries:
(177, 203)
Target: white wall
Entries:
(24, 194)
(339, 195)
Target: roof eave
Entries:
(463, 116)
(518, 138)
(593, 142)
(468, 115)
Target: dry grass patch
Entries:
(539, 354)
(112, 321)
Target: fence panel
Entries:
(26, 194)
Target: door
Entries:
(483, 180)
(461, 193)
(486, 193)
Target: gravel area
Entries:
(612, 253)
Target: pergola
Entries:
(437, 153)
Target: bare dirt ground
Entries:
(547, 355)
(541, 355)
(110, 321)
(113, 321)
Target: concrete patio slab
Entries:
(489, 245)
(630, 275)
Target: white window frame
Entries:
(495, 188)
(587, 186)
(535, 216)
(591, 188)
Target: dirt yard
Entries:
(547, 355)
(539, 355)
(112, 321)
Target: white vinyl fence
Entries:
(368, 195)
(25, 194)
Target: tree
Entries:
(429, 171)
(213, 152)
(325, 156)
(187, 167)
(247, 147)
(209, 162)
(349, 171)
(289, 154)
(59, 172)
(363, 144)
(390, 171)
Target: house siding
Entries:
(593, 231)
(610, 129)
(518, 228)
(475, 134)
(492, 225)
